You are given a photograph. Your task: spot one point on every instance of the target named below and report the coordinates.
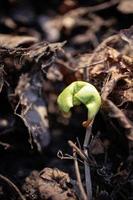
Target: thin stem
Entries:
(86, 164)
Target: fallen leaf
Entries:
(12, 41)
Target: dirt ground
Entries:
(44, 47)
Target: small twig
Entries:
(84, 156)
(78, 151)
(66, 156)
(60, 62)
(81, 188)
(13, 186)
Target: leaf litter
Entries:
(32, 74)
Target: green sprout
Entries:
(80, 92)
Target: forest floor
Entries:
(45, 46)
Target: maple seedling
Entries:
(81, 92)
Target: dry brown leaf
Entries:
(12, 41)
(49, 184)
(42, 51)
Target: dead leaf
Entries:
(50, 184)
(12, 41)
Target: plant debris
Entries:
(44, 47)
(49, 184)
